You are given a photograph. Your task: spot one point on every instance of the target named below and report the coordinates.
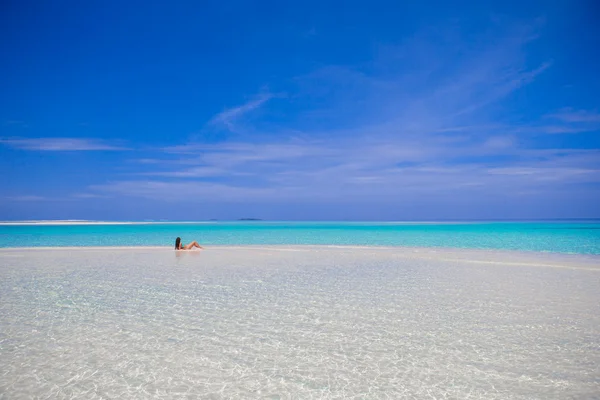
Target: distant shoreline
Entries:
(82, 222)
(425, 222)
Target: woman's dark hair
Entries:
(177, 242)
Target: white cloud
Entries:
(185, 191)
(26, 198)
(429, 128)
(326, 170)
(566, 121)
(229, 117)
(571, 115)
(500, 142)
(59, 144)
(88, 196)
(195, 172)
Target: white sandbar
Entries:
(298, 322)
(86, 222)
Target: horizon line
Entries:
(256, 220)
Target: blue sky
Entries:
(307, 110)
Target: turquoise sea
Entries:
(582, 237)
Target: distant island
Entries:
(249, 219)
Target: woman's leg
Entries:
(192, 245)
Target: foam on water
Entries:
(298, 322)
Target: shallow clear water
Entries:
(582, 238)
(296, 323)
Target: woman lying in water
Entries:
(188, 246)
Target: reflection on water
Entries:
(313, 323)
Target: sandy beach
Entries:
(298, 322)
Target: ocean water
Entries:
(297, 322)
(561, 237)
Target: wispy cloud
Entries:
(560, 129)
(571, 115)
(195, 172)
(430, 127)
(229, 117)
(507, 84)
(85, 196)
(25, 198)
(59, 144)
(567, 120)
(326, 170)
(185, 191)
